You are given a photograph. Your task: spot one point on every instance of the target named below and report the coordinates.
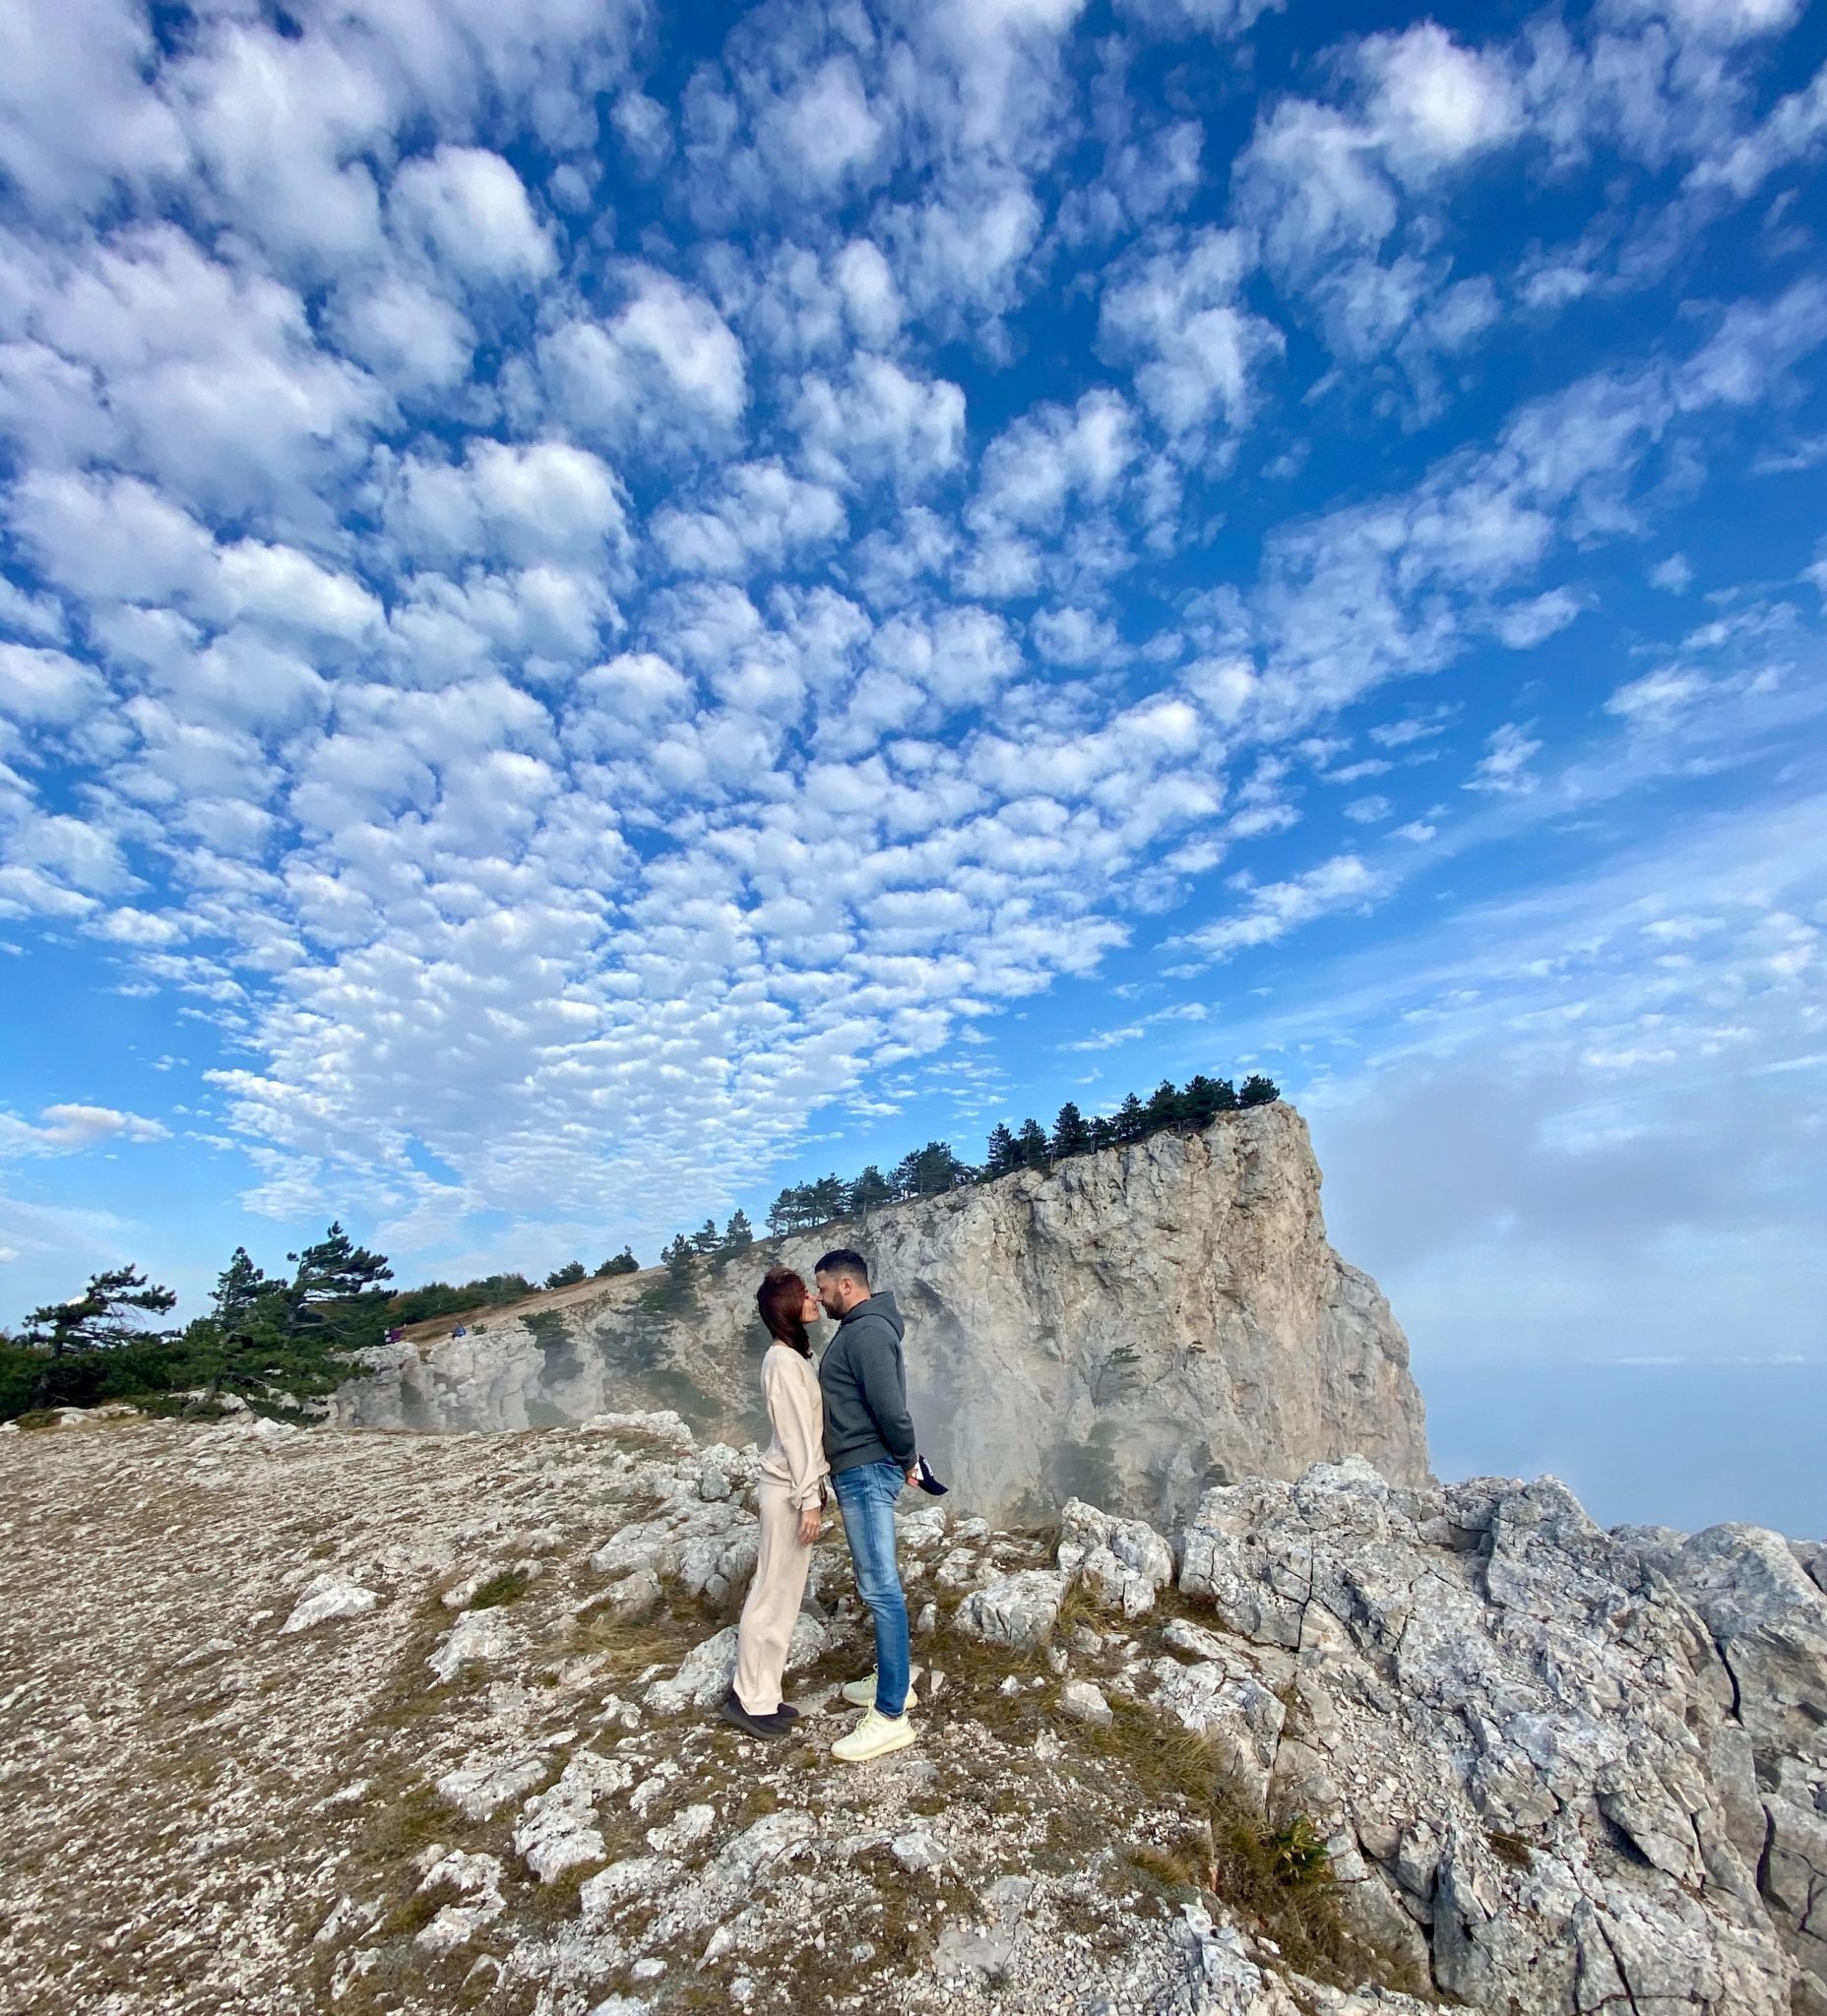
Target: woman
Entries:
(791, 1492)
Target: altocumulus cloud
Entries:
(582, 585)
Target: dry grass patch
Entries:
(506, 1586)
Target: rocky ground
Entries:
(308, 1719)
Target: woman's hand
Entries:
(810, 1521)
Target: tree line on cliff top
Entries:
(936, 1168)
(294, 1334)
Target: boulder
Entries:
(327, 1598)
(1018, 1611)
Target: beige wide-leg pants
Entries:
(773, 1601)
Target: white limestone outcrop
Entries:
(1129, 1328)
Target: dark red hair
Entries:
(781, 1299)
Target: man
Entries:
(870, 1447)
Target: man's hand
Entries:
(810, 1520)
(913, 1474)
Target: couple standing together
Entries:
(842, 1428)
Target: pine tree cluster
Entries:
(936, 1167)
(263, 1334)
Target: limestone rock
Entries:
(481, 1635)
(1556, 1771)
(1019, 1610)
(555, 1831)
(328, 1596)
(1121, 1562)
(476, 1788)
(709, 1669)
(1491, 1719)
(1083, 1701)
(1204, 1253)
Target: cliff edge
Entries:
(1131, 1327)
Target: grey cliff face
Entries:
(1131, 1327)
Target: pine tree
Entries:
(871, 1188)
(239, 1290)
(827, 1199)
(624, 1262)
(934, 1169)
(567, 1275)
(336, 1301)
(101, 1318)
(1163, 1106)
(1103, 1131)
(1205, 1097)
(1257, 1091)
(1003, 1155)
(1131, 1122)
(738, 1233)
(1071, 1134)
(1031, 1145)
(336, 1269)
(677, 1256)
(705, 1239)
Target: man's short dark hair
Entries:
(845, 1261)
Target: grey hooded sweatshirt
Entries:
(865, 1388)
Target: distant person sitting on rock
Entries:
(870, 1445)
(792, 1495)
(461, 1330)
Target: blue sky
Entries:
(607, 608)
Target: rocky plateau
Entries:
(329, 1720)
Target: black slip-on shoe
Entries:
(786, 1711)
(738, 1717)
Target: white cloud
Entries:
(1215, 17)
(205, 377)
(412, 339)
(959, 257)
(666, 364)
(1433, 102)
(828, 128)
(1051, 456)
(1504, 766)
(543, 706)
(763, 514)
(1794, 131)
(524, 502)
(1523, 625)
(1658, 695)
(884, 423)
(65, 1129)
(1179, 310)
(470, 209)
(73, 114)
(46, 687)
(871, 297)
(1274, 908)
(281, 124)
(1074, 637)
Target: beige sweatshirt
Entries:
(796, 1455)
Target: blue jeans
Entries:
(866, 1498)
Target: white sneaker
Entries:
(875, 1735)
(861, 1693)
